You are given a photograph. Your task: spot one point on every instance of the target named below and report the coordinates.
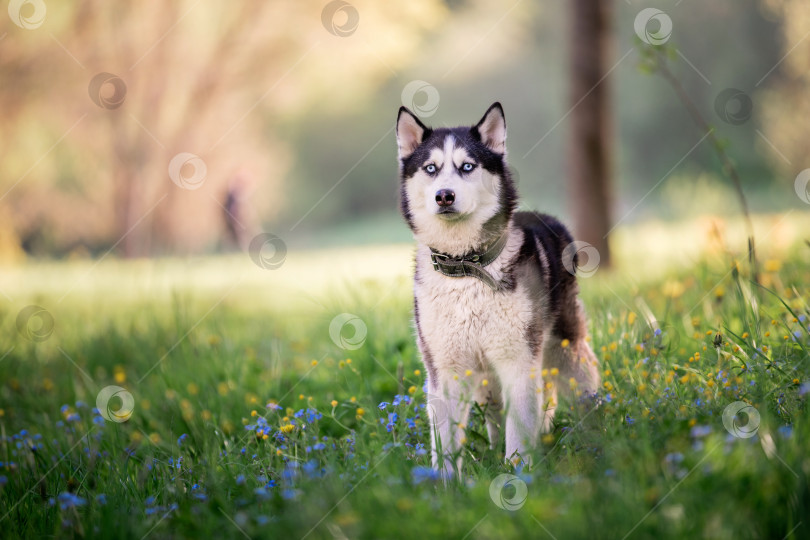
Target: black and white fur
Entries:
(505, 336)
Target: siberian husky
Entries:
(495, 305)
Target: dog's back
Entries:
(546, 237)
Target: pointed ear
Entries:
(410, 132)
(492, 129)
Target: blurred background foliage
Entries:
(298, 122)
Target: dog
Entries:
(495, 293)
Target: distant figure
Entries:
(234, 212)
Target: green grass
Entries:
(202, 344)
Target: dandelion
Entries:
(334, 403)
(412, 390)
(360, 411)
(417, 372)
(773, 265)
(467, 373)
(673, 289)
(484, 382)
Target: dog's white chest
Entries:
(462, 320)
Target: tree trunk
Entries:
(589, 148)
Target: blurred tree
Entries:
(785, 101)
(181, 96)
(589, 145)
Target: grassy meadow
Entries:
(259, 409)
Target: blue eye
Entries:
(467, 167)
(430, 169)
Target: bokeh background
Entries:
(283, 115)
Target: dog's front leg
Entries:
(448, 406)
(522, 418)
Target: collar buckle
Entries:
(437, 258)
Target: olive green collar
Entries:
(471, 264)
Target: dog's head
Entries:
(455, 190)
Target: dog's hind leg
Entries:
(576, 364)
(567, 348)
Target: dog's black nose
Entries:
(445, 197)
